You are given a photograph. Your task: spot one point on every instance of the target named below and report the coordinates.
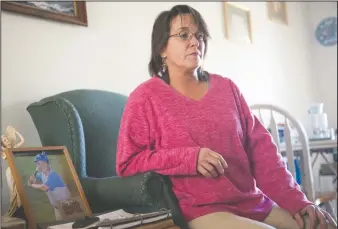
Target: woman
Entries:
(197, 128)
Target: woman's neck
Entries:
(183, 80)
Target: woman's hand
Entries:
(210, 163)
(317, 217)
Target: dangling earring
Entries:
(200, 74)
(164, 65)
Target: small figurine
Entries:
(11, 139)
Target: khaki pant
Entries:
(277, 219)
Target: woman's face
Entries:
(186, 54)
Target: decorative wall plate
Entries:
(326, 31)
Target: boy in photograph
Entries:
(47, 180)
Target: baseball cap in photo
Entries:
(41, 157)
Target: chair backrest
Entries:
(290, 137)
(87, 122)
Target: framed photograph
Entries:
(70, 11)
(48, 185)
(277, 11)
(237, 23)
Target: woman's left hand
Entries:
(317, 217)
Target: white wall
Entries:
(324, 61)
(41, 58)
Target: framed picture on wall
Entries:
(237, 21)
(65, 11)
(277, 11)
(47, 184)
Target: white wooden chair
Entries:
(290, 146)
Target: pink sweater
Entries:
(162, 131)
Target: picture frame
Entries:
(47, 184)
(64, 11)
(277, 12)
(237, 21)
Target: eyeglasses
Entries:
(187, 35)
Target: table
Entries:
(314, 145)
(8, 222)
(318, 147)
(322, 144)
(163, 224)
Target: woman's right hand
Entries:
(210, 163)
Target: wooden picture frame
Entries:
(48, 186)
(71, 12)
(277, 12)
(237, 21)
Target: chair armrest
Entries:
(149, 190)
(142, 190)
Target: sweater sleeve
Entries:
(136, 148)
(268, 167)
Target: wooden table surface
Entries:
(163, 224)
(12, 223)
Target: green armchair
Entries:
(87, 123)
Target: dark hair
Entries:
(161, 33)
